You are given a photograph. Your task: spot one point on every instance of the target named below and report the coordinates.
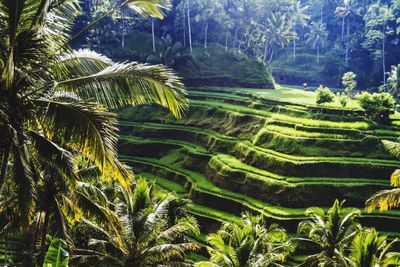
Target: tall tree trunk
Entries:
(189, 27)
(272, 55)
(265, 50)
(294, 49)
(236, 33)
(347, 42)
(123, 30)
(384, 58)
(43, 240)
(226, 40)
(205, 35)
(153, 35)
(318, 53)
(322, 14)
(344, 17)
(184, 25)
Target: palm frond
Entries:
(52, 155)
(392, 147)
(151, 8)
(25, 185)
(130, 84)
(78, 63)
(384, 200)
(88, 128)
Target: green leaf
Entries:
(57, 255)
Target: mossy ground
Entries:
(268, 152)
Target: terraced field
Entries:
(239, 150)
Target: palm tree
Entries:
(54, 101)
(349, 7)
(331, 232)
(387, 199)
(317, 36)
(278, 33)
(250, 244)
(377, 19)
(394, 81)
(52, 97)
(369, 249)
(299, 18)
(143, 234)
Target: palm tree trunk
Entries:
(322, 11)
(123, 30)
(318, 53)
(383, 55)
(205, 35)
(236, 34)
(226, 40)
(294, 49)
(43, 240)
(271, 56)
(347, 42)
(344, 17)
(184, 25)
(153, 35)
(265, 50)
(189, 27)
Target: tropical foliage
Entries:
(331, 233)
(54, 108)
(250, 244)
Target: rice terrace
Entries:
(199, 133)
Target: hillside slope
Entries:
(239, 151)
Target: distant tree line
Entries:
(361, 36)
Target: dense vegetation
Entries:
(312, 41)
(105, 161)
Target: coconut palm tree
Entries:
(387, 199)
(54, 100)
(316, 37)
(299, 19)
(143, 234)
(330, 232)
(393, 81)
(250, 244)
(278, 33)
(369, 249)
(344, 12)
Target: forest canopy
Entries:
(328, 37)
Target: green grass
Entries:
(235, 143)
(291, 94)
(244, 145)
(163, 183)
(201, 183)
(211, 213)
(283, 117)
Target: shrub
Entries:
(377, 106)
(349, 82)
(324, 95)
(343, 99)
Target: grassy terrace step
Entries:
(233, 163)
(267, 158)
(228, 172)
(258, 103)
(201, 183)
(210, 213)
(163, 183)
(286, 216)
(286, 118)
